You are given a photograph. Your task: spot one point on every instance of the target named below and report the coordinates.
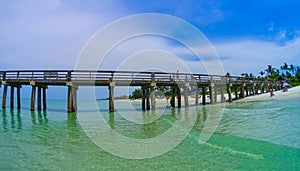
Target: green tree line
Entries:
(285, 73)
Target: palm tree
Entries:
(285, 67)
(261, 73)
(292, 68)
(269, 70)
(245, 75)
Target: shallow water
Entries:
(260, 135)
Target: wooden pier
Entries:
(181, 84)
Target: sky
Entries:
(247, 35)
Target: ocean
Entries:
(247, 136)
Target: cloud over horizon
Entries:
(51, 33)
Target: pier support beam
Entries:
(197, 96)
(152, 96)
(278, 87)
(242, 93)
(70, 101)
(178, 97)
(215, 93)
(254, 89)
(74, 92)
(247, 91)
(186, 95)
(44, 98)
(4, 97)
(111, 97)
(39, 98)
(222, 95)
(172, 102)
(12, 96)
(229, 92)
(143, 98)
(147, 98)
(19, 97)
(72, 98)
(33, 92)
(262, 90)
(236, 93)
(212, 93)
(203, 95)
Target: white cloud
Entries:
(47, 34)
(253, 56)
(271, 28)
(282, 34)
(50, 34)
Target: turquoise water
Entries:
(250, 136)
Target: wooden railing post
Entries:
(4, 76)
(69, 75)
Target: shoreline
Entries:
(293, 92)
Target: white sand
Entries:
(291, 93)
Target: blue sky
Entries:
(247, 35)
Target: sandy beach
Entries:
(291, 93)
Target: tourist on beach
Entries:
(271, 93)
(285, 86)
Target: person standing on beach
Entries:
(271, 93)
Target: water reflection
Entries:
(73, 128)
(150, 129)
(41, 117)
(4, 121)
(111, 120)
(15, 119)
(19, 119)
(12, 121)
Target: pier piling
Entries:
(229, 93)
(203, 95)
(143, 98)
(39, 99)
(33, 92)
(186, 95)
(4, 97)
(173, 97)
(197, 96)
(111, 88)
(212, 93)
(178, 97)
(44, 98)
(12, 97)
(147, 98)
(18, 97)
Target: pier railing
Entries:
(86, 75)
